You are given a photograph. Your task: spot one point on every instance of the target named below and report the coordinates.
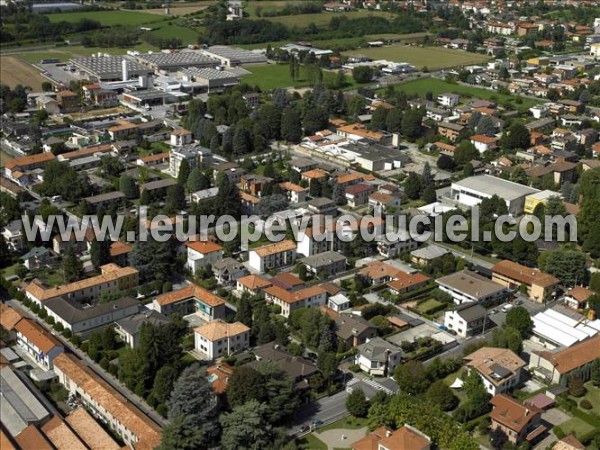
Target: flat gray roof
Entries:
(107, 67)
(470, 284)
(236, 54)
(323, 259)
(178, 60)
(490, 185)
(72, 312)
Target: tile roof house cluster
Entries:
(191, 299)
(499, 368)
(398, 281)
(518, 422)
(134, 427)
(272, 256)
(217, 338)
(201, 254)
(288, 301)
(404, 438)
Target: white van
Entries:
(507, 308)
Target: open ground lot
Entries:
(271, 76)
(107, 18)
(437, 86)
(14, 71)
(433, 58)
(320, 19)
(187, 35)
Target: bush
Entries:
(67, 333)
(585, 404)
(59, 327)
(354, 368)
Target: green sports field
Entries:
(271, 76)
(108, 18)
(434, 58)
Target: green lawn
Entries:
(428, 305)
(36, 57)
(271, 76)
(593, 396)
(187, 35)
(436, 86)
(311, 442)
(321, 19)
(432, 57)
(107, 18)
(577, 426)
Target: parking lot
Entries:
(498, 316)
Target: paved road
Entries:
(327, 410)
(130, 396)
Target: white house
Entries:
(484, 143)
(448, 100)
(466, 320)
(378, 357)
(313, 296)
(338, 302)
(181, 137)
(13, 236)
(272, 256)
(202, 253)
(467, 286)
(499, 368)
(40, 344)
(218, 338)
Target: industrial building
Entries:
(109, 67)
(209, 79)
(234, 56)
(472, 190)
(172, 62)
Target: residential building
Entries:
(191, 299)
(297, 368)
(472, 190)
(404, 438)
(252, 284)
(129, 328)
(577, 297)
(80, 317)
(181, 137)
(448, 100)
(13, 235)
(134, 427)
(378, 357)
(325, 264)
(466, 319)
(38, 257)
(201, 254)
(338, 302)
(378, 272)
(569, 442)
(401, 242)
(112, 279)
(228, 270)
(195, 155)
(294, 192)
(91, 432)
(358, 194)
(383, 203)
(352, 330)
(499, 368)
(405, 282)
(40, 344)
(15, 168)
(540, 286)
(484, 143)
(217, 338)
(556, 366)
(560, 326)
(450, 130)
(313, 296)
(425, 255)
(467, 286)
(518, 422)
(272, 256)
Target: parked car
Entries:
(507, 308)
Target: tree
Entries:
(183, 172)
(100, 252)
(393, 121)
(468, 170)
(575, 385)
(128, 187)
(194, 399)
(411, 123)
(180, 435)
(357, 404)
(197, 181)
(595, 375)
(291, 128)
(568, 265)
(428, 195)
(362, 74)
(441, 394)
(518, 175)
(46, 86)
(519, 319)
(465, 152)
(315, 119)
(153, 260)
(411, 377)
(413, 186)
(486, 126)
(163, 383)
(227, 201)
(247, 427)
(427, 176)
(379, 119)
(72, 266)
(244, 311)
(242, 141)
(175, 198)
(445, 162)
(517, 136)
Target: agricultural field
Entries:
(181, 8)
(436, 87)
(15, 71)
(187, 35)
(321, 19)
(108, 18)
(434, 58)
(271, 76)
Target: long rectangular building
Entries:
(133, 426)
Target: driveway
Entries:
(341, 437)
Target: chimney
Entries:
(388, 433)
(125, 72)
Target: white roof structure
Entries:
(339, 299)
(563, 330)
(489, 185)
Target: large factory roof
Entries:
(236, 55)
(177, 60)
(108, 67)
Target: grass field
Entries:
(108, 18)
(36, 57)
(593, 396)
(577, 426)
(436, 87)
(320, 19)
(271, 76)
(428, 305)
(433, 57)
(187, 35)
(14, 71)
(182, 8)
(4, 158)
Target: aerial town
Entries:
(273, 224)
